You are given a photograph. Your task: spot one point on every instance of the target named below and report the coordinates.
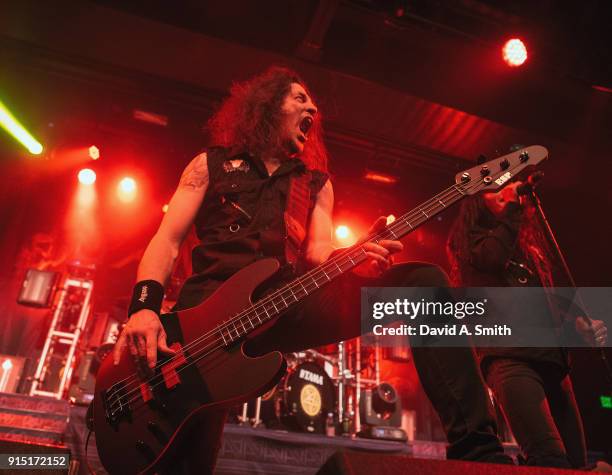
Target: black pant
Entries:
(538, 401)
(450, 376)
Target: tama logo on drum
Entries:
(311, 377)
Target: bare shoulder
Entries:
(195, 175)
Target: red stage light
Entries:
(94, 152)
(514, 52)
(87, 176)
(127, 189)
(380, 178)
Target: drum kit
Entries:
(321, 391)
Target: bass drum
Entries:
(306, 396)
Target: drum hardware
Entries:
(341, 382)
(350, 383)
(259, 412)
(255, 421)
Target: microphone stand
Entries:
(553, 241)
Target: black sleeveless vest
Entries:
(241, 219)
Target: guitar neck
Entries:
(301, 287)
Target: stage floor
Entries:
(271, 452)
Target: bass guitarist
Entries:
(263, 191)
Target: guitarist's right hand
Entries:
(143, 334)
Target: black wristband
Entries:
(147, 294)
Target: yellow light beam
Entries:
(13, 127)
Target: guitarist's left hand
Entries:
(380, 255)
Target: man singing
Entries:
(243, 196)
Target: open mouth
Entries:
(306, 124)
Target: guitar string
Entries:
(195, 361)
(385, 233)
(270, 298)
(400, 222)
(404, 220)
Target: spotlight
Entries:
(9, 123)
(384, 399)
(94, 152)
(514, 52)
(342, 232)
(87, 176)
(127, 185)
(127, 189)
(345, 236)
(380, 178)
(380, 409)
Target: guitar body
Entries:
(139, 426)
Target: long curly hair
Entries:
(531, 241)
(250, 118)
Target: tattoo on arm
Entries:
(196, 174)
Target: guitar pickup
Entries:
(116, 403)
(169, 370)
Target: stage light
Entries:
(94, 152)
(606, 402)
(390, 219)
(127, 189)
(345, 236)
(13, 127)
(127, 185)
(150, 117)
(514, 52)
(380, 178)
(87, 176)
(342, 232)
(165, 208)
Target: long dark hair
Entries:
(531, 241)
(250, 118)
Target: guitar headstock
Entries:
(496, 173)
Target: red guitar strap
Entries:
(296, 215)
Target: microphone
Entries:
(530, 184)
